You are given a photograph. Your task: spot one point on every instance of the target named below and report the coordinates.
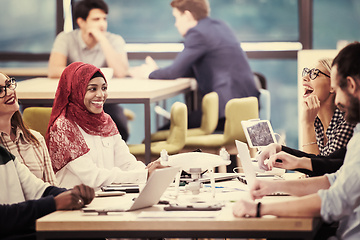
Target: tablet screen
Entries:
(258, 133)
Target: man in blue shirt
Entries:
(212, 54)
(336, 196)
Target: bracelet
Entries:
(311, 143)
(258, 214)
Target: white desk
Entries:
(124, 90)
(75, 224)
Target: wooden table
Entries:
(75, 224)
(125, 90)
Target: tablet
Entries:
(259, 133)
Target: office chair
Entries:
(265, 104)
(264, 98)
(236, 110)
(209, 119)
(174, 142)
(37, 118)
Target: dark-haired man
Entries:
(336, 196)
(91, 43)
(212, 54)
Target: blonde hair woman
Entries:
(324, 127)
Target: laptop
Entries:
(156, 185)
(249, 171)
(246, 162)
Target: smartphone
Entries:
(125, 188)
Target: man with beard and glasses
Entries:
(336, 196)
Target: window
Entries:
(28, 26)
(335, 20)
(252, 20)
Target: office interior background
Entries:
(270, 31)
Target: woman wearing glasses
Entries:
(324, 127)
(26, 145)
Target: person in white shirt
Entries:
(25, 198)
(83, 141)
(334, 197)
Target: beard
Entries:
(352, 114)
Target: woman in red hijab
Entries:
(84, 143)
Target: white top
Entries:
(108, 161)
(19, 183)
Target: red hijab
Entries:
(63, 138)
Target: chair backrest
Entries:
(237, 110)
(210, 113)
(37, 118)
(265, 104)
(178, 125)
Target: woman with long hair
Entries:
(324, 127)
(27, 145)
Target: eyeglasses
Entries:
(313, 73)
(9, 84)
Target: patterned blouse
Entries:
(338, 133)
(37, 159)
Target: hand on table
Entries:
(75, 198)
(244, 208)
(262, 188)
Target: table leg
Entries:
(147, 132)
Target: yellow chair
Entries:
(176, 138)
(236, 110)
(209, 119)
(37, 118)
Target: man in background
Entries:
(92, 44)
(212, 54)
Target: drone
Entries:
(194, 164)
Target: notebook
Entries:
(150, 194)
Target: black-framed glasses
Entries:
(9, 84)
(313, 73)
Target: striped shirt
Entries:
(36, 158)
(338, 133)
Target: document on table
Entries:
(179, 214)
